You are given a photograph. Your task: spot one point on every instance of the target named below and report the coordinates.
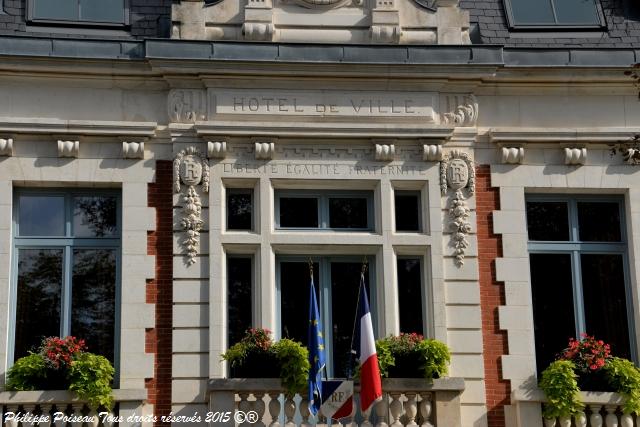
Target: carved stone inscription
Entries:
(311, 169)
(419, 105)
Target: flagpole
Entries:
(355, 320)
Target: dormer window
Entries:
(100, 12)
(553, 13)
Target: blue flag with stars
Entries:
(316, 353)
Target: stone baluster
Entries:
(274, 408)
(108, 420)
(259, 407)
(245, 406)
(425, 409)
(564, 421)
(411, 409)
(95, 418)
(29, 409)
(549, 422)
(76, 411)
(321, 420)
(60, 408)
(289, 412)
(611, 419)
(595, 419)
(581, 419)
(46, 410)
(304, 413)
(396, 409)
(13, 422)
(626, 420)
(382, 411)
(366, 422)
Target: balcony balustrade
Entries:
(405, 403)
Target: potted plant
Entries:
(63, 364)
(257, 356)
(410, 355)
(587, 364)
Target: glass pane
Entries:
(299, 212)
(410, 295)
(239, 274)
(294, 302)
(345, 282)
(605, 302)
(38, 299)
(576, 12)
(347, 212)
(93, 305)
(95, 216)
(56, 9)
(239, 210)
(548, 221)
(41, 215)
(102, 10)
(553, 315)
(407, 212)
(599, 221)
(532, 12)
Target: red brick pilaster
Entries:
(160, 290)
(491, 297)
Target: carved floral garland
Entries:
(460, 213)
(192, 209)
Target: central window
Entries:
(329, 210)
(579, 280)
(553, 13)
(67, 252)
(337, 281)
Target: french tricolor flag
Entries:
(370, 384)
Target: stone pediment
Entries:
(323, 21)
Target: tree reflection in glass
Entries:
(38, 299)
(93, 299)
(94, 216)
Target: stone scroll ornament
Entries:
(191, 168)
(457, 173)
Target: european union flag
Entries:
(316, 352)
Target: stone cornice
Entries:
(11, 125)
(365, 130)
(606, 135)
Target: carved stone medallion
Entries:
(427, 4)
(457, 174)
(191, 168)
(325, 4)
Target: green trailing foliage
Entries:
(424, 358)
(560, 385)
(62, 363)
(294, 365)
(624, 377)
(28, 373)
(257, 347)
(91, 377)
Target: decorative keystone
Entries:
(68, 148)
(575, 156)
(216, 150)
(6, 147)
(133, 150)
(432, 153)
(264, 150)
(385, 152)
(512, 155)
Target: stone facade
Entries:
(389, 97)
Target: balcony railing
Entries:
(405, 403)
(601, 410)
(62, 408)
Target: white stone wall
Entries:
(36, 164)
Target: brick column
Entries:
(491, 297)
(160, 289)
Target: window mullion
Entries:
(578, 298)
(65, 314)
